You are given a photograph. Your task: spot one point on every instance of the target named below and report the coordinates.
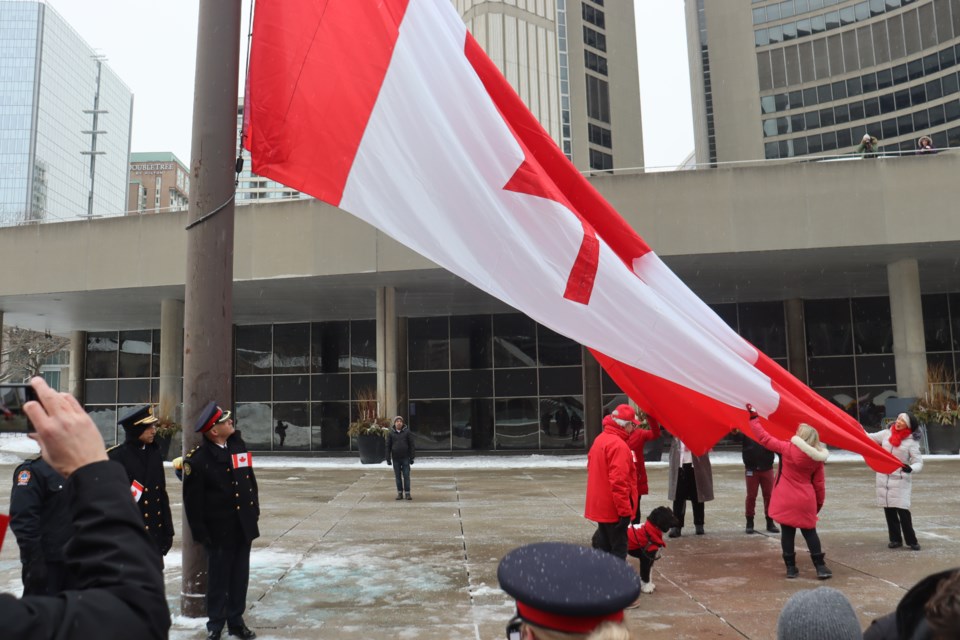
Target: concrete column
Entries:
(909, 344)
(171, 359)
(592, 398)
(796, 339)
(387, 351)
(78, 364)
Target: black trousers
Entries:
(612, 538)
(687, 490)
(228, 573)
(898, 519)
(788, 535)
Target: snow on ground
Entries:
(15, 447)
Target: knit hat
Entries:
(818, 614)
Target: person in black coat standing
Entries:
(758, 472)
(143, 463)
(400, 453)
(40, 519)
(222, 505)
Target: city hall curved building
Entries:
(780, 79)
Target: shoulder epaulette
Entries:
(191, 452)
(116, 446)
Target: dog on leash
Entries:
(644, 542)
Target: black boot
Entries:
(674, 532)
(749, 528)
(822, 571)
(772, 526)
(407, 496)
(399, 495)
(790, 560)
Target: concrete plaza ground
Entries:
(339, 558)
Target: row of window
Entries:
(595, 62)
(891, 128)
(503, 381)
(888, 103)
(875, 81)
(593, 15)
(830, 20)
(595, 39)
(843, 53)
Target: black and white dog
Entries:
(644, 542)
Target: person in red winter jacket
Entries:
(612, 482)
(636, 441)
(798, 493)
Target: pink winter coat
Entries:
(799, 490)
(611, 476)
(636, 440)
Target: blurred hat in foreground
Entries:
(567, 587)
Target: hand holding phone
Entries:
(12, 398)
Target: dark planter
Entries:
(943, 438)
(653, 450)
(166, 448)
(372, 448)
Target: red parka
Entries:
(611, 476)
(799, 490)
(636, 440)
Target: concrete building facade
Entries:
(159, 182)
(781, 79)
(65, 138)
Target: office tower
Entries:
(804, 77)
(574, 64)
(65, 132)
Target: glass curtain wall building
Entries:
(494, 382)
(64, 121)
(803, 77)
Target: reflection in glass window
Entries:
(429, 421)
(101, 357)
(254, 349)
(330, 345)
(517, 424)
(429, 343)
(291, 427)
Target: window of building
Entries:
(598, 99)
(593, 15)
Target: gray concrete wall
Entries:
(860, 203)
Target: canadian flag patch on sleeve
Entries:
(136, 490)
(241, 460)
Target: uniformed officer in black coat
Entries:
(40, 519)
(143, 463)
(222, 506)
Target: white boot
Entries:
(647, 587)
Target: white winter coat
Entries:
(893, 490)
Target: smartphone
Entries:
(12, 398)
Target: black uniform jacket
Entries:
(144, 464)
(111, 557)
(39, 513)
(220, 495)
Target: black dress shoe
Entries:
(674, 532)
(214, 635)
(915, 547)
(243, 632)
(700, 530)
(894, 545)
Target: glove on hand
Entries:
(753, 412)
(411, 462)
(35, 576)
(906, 468)
(389, 464)
(624, 522)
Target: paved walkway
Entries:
(339, 558)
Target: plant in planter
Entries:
(369, 429)
(168, 430)
(938, 410)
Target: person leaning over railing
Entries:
(119, 591)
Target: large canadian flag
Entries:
(390, 110)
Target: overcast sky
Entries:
(152, 47)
